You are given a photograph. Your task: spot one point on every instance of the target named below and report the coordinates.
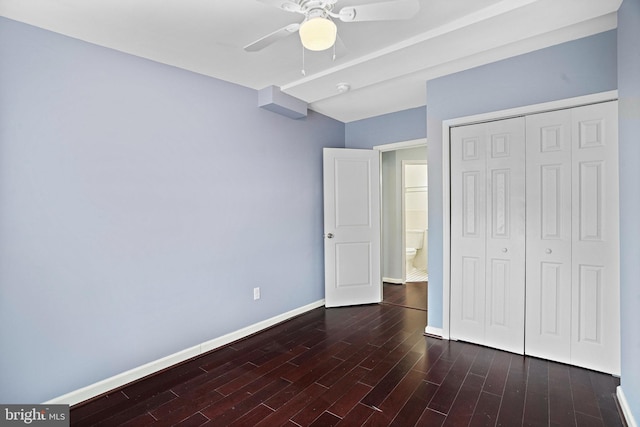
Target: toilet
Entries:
(413, 242)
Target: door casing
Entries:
(414, 143)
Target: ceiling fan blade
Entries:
(289, 6)
(384, 11)
(265, 41)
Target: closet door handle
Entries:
(548, 251)
(504, 250)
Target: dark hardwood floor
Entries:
(359, 366)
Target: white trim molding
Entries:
(434, 332)
(401, 145)
(446, 184)
(624, 406)
(134, 374)
(392, 280)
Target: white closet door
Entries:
(596, 293)
(488, 210)
(548, 289)
(468, 232)
(572, 290)
(505, 283)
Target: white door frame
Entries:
(446, 174)
(422, 142)
(413, 143)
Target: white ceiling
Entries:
(385, 63)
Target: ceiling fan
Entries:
(318, 31)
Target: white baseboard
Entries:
(626, 410)
(392, 280)
(436, 332)
(124, 378)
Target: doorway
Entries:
(415, 222)
(393, 160)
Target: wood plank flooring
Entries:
(359, 366)
(410, 294)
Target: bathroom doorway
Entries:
(395, 221)
(415, 205)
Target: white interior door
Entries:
(548, 289)
(595, 306)
(505, 235)
(468, 232)
(487, 234)
(572, 237)
(352, 227)
(570, 266)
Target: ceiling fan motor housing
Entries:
(308, 5)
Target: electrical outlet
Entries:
(256, 293)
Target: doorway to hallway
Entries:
(404, 223)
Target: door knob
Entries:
(548, 251)
(330, 236)
(504, 250)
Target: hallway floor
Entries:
(410, 295)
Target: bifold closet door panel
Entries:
(572, 278)
(596, 290)
(505, 250)
(548, 276)
(487, 255)
(468, 232)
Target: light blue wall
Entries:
(629, 146)
(567, 70)
(139, 206)
(403, 125)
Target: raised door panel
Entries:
(468, 233)
(505, 247)
(548, 275)
(595, 238)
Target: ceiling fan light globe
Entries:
(318, 33)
